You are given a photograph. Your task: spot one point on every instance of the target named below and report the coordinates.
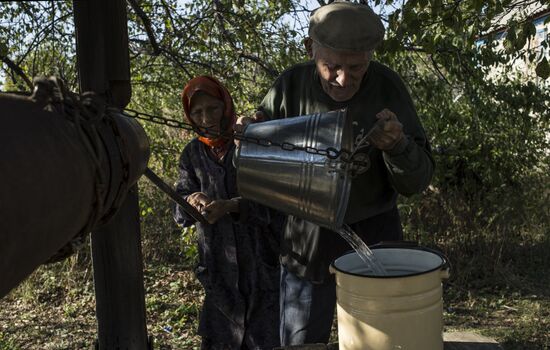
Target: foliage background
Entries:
(487, 208)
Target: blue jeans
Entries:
(307, 309)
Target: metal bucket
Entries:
(307, 185)
(403, 310)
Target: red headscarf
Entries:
(214, 88)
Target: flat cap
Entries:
(346, 26)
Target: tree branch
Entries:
(44, 32)
(147, 24)
(218, 8)
(271, 71)
(410, 48)
(173, 57)
(17, 70)
(436, 67)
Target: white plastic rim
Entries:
(398, 262)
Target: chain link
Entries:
(156, 119)
(345, 156)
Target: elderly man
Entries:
(342, 37)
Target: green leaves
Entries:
(3, 49)
(478, 5)
(543, 69)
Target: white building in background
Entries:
(539, 16)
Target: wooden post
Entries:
(103, 66)
(118, 279)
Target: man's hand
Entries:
(242, 122)
(387, 132)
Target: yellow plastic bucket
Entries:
(403, 310)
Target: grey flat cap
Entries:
(346, 26)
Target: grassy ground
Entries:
(62, 316)
(46, 312)
(498, 287)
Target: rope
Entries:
(85, 112)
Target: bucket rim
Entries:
(445, 265)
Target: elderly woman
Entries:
(238, 248)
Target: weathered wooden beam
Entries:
(103, 66)
(118, 279)
(50, 182)
(40, 159)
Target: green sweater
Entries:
(406, 170)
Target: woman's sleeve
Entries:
(187, 184)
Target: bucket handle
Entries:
(445, 267)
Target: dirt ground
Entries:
(61, 315)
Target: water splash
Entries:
(362, 250)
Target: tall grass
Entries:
(494, 237)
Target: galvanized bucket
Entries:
(308, 185)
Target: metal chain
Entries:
(344, 155)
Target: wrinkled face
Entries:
(341, 72)
(206, 111)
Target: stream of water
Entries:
(362, 250)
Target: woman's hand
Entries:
(218, 208)
(198, 200)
